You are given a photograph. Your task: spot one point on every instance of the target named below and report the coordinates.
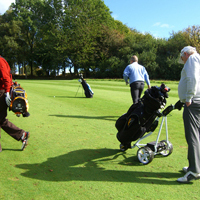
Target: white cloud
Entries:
(115, 16)
(164, 25)
(157, 24)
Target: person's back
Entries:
(136, 74)
(5, 75)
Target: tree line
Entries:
(44, 37)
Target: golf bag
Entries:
(87, 89)
(19, 102)
(140, 117)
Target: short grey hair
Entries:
(134, 58)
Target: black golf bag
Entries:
(140, 117)
(87, 89)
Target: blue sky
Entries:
(157, 17)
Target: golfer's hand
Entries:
(187, 104)
(179, 105)
(7, 98)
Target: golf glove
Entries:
(7, 98)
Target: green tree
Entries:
(50, 39)
(168, 54)
(193, 36)
(84, 21)
(10, 31)
(29, 13)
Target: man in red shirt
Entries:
(7, 126)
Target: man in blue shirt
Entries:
(136, 74)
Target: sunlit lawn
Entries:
(73, 152)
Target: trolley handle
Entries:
(168, 110)
(178, 105)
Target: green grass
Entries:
(73, 152)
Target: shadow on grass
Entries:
(70, 97)
(4, 149)
(89, 165)
(88, 117)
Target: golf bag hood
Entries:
(155, 98)
(19, 102)
(139, 118)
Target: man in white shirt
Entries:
(189, 93)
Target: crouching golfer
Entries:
(189, 93)
(5, 84)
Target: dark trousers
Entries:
(6, 125)
(136, 90)
(191, 118)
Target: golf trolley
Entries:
(146, 152)
(142, 118)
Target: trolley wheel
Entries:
(169, 148)
(145, 155)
